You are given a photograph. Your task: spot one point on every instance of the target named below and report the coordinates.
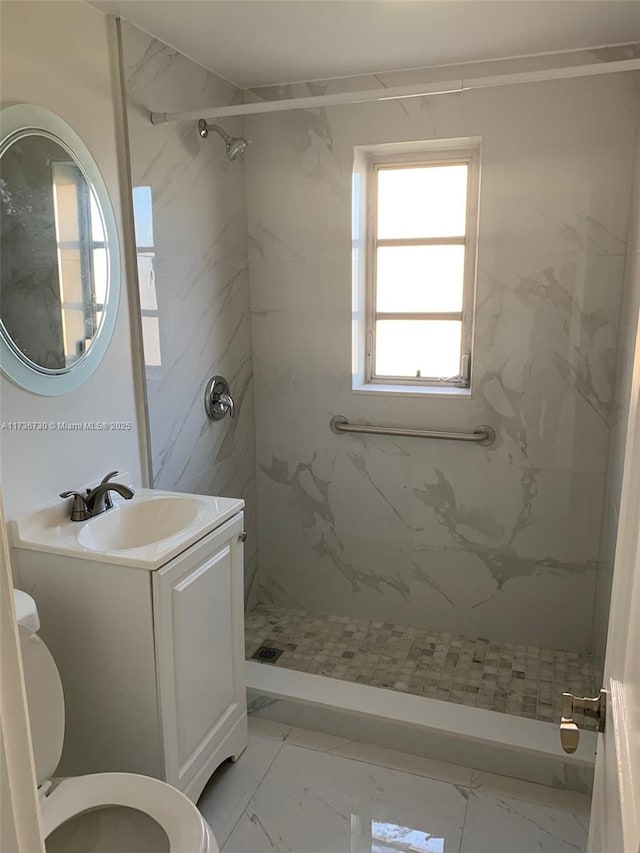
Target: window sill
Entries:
(426, 391)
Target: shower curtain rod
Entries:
(391, 93)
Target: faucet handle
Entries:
(79, 510)
(108, 502)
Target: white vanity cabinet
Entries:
(151, 661)
(199, 634)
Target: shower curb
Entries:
(472, 737)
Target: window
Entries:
(415, 224)
(149, 313)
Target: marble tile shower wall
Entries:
(503, 542)
(193, 277)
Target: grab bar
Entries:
(483, 435)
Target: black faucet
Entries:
(97, 500)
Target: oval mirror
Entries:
(59, 256)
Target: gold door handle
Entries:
(595, 708)
(569, 735)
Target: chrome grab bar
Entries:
(483, 435)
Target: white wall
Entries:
(500, 542)
(59, 55)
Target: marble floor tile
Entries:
(314, 802)
(368, 753)
(497, 823)
(518, 789)
(314, 799)
(526, 681)
(233, 784)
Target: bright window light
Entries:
(417, 275)
(418, 348)
(430, 201)
(420, 278)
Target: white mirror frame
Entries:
(27, 117)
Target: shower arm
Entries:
(204, 128)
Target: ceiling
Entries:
(260, 42)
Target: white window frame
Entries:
(368, 162)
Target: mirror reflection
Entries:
(53, 254)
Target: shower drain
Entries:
(266, 654)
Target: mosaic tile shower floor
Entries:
(526, 681)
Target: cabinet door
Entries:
(198, 613)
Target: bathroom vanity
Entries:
(142, 609)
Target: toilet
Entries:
(102, 812)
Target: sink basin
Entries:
(133, 525)
(144, 532)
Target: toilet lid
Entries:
(181, 821)
(45, 701)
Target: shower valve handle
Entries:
(225, 401)
(218, 400)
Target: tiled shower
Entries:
(456, 572)
(523, 680)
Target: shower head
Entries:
(235, 145)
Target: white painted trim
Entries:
(478, 725)
(615, 806)
(446, 392)
(619, 711)
(14, 721)
(391, 93)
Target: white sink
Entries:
(146, 531)
(134, 525)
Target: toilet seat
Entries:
(61, 801)
(181, 821)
